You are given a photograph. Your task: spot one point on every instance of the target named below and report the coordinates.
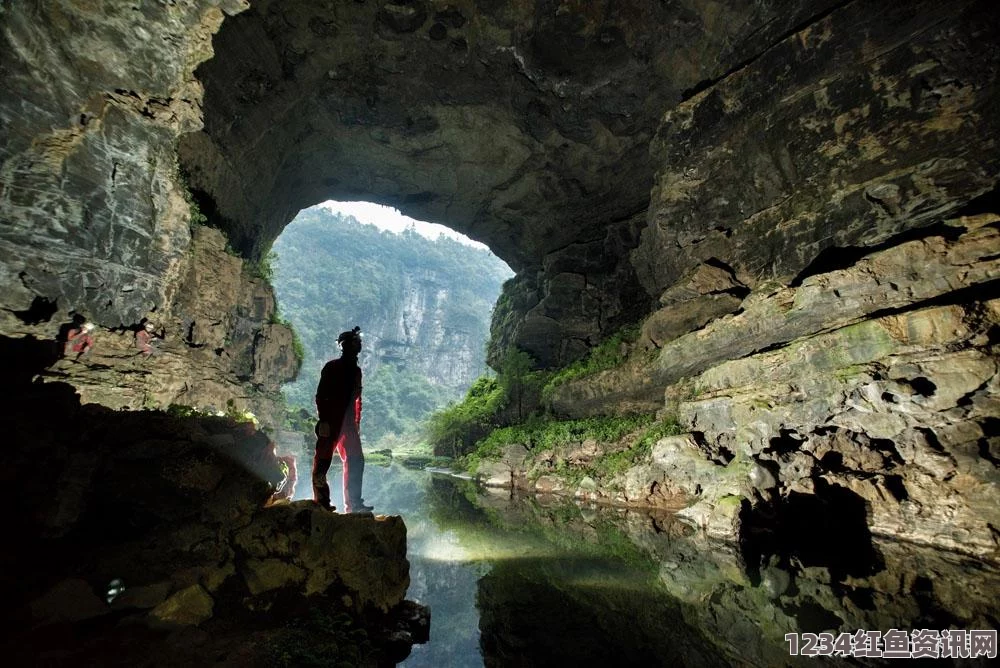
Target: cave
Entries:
(791, 205)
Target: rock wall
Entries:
(525, 125)
(876, 383)
(146, 529)
(96, 222)
(214, 348)
(821, 164)
(826, 333)
(870, 121)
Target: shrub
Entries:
(454, 429)
(607, 355)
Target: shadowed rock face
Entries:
(525, 125)
(603, 149)
(134, 528)
(627, 158)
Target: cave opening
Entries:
(422, 295)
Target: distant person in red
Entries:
(78, 341)
(144, 339)
(338, 403)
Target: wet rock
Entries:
(719, 518)
(762, 478)
(549, 485)
(142, 597)
(775, 581)
(300, 548)
(506, 471)
(188, 607)
(263, 575)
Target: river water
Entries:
(542, 581)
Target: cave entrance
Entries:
(422, 294)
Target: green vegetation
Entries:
(616, 463)
(491, 403)
(196, 216)
(236, 415)
(264, 267)
(609, 354)
(331, 272)
(455, 429)
(541, 435)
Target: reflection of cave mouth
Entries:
(828, 529)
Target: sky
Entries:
(388, 218)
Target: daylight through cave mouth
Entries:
(422, 294)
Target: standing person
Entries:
(339, 427)
(78, 340)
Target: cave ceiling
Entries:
(525, 125)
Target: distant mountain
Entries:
(423, 306)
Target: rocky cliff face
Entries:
(144, 527)
(419, 334)
(786, 193)
(96, 223)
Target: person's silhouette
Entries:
(338, 427)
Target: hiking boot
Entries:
(329, 507)
(360, 507)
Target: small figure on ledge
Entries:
(144, 339)
(78, 341)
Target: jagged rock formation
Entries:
(145, 527)
(214, 348)
(873, 381)
(609, 152)
(95, 222)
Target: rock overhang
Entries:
(525, 125)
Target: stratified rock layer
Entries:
(874, 383)
(627, 159)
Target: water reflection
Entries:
(540, 582)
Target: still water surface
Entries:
(543, 582)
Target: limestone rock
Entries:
(718, 518)
(764, 171)
(301, 548)
(670, 322)
(142, 597)
(505, 471)
(188, 607)
(549, 485)
(881, 281)
(263, 575)
(870, 418)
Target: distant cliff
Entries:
(423, 306)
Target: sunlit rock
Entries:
(187, 607)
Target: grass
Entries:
(607, 355)
(617, 463)
(540, 436)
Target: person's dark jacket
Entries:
(339, 383)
